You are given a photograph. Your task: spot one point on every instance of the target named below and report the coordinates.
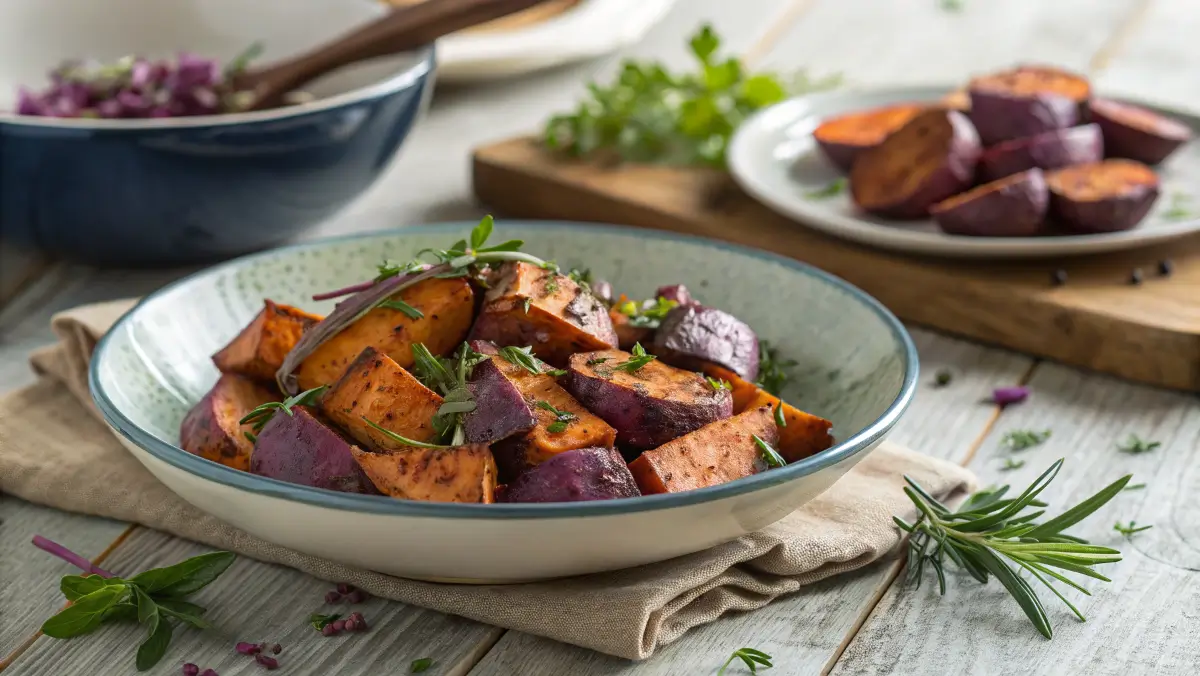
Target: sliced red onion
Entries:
(69, 556)
(344, 314)
(1010, 395)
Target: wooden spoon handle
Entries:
(403, 29)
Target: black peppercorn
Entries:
(1135, 277)
(1166, 267)
(1059, 277)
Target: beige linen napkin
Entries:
(55, 451)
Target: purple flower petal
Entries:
(1010, 395)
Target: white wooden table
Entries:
(1146, 621)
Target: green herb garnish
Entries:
(834, 189)
(988, 528)
(551, 286)
(648, 114)
(242, 60)
(596, 360)
(772, 371)
(262, 413)
(153, 598)
(581, 277)
(399, 438)
(1130, 528)
(1010, 464)
(397, 304)
(1180, 208)
(637, 361)
(780, 420)
(647, 314)
(561, 418)
(1135, 487)
(253, 438)
(717, 384)
(449, 378)
(1019, 440)
(420, 665)
(318, 621)
(751, 657)
(1136, 445)
(768, 454)
(952, 5)
(942, 378)
(523, 357)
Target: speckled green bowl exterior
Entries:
(856, 366)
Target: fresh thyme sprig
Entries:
(649, 313)
(561, 418)
(1019, 440)
(752, 658)
(1137, 445)
(648, 114)
(1129, 529)
(773, 373)
(523, 357)
(262, 414)
(988, 529)
(448, 377)
(637, 361)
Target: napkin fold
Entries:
(55, 451)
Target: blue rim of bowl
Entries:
(212, 471)
(425, 63)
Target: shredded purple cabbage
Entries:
(135, 87)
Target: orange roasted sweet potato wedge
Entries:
(531, 306)
(454, 474)
(258, 351)
(211, 429)
(446, 305)
(717, 453)
(805, 433)
(376, 388)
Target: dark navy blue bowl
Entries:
(190, 190)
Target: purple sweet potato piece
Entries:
(1026, 101)
(300, 449)
(1014, 206)
(1049, 150)
(676, 292)
(1134, 133)
(649, 406)
(843, 138)
(500, 409)
(574, 476)
(1103, 197)
(212, 429)
(691, 335)
(924, 162)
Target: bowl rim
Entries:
(423, 66)
(206, 469)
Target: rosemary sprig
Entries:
(637, 361)
(768, 454)
(1137, 445)
(780, 420)
(397, 304)
(1019, 440)
(1010, 464)
(400, 439)
(988, 529)
(1129, 529)
(523, 357)
(448, 377)
(649, 313)
(773, 373)
(752, 658)
(262, 413)
(561, 418)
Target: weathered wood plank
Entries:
(890, 43)
(28, 576)
(258, 602)
(803, 630)
(1137, 624)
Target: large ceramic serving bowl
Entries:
(856, 366)
(168, 191)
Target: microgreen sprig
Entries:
(1136, 445)
(988, 529)
(523, 357)
(718, 384)
(561, 418)
(649, 313)
(263, 413)
(773, 372)
(752, 658)
(637, 361)
(154, 598)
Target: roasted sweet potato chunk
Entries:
(1026, 100)
(1136, 133)
(501, 410)
(842, 138)
(717, 453)
(376, 388)
(447, 306)
(628, 335)
(805, 433)
(551, 435)
(648, 406)
(1102, 197)
(573, 476)
(211, 430)
(458, 474)
(531, 306)
(301, 448)
(258, 351)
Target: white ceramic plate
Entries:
(590, 29)
(774, 158)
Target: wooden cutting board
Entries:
(1148, 333)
